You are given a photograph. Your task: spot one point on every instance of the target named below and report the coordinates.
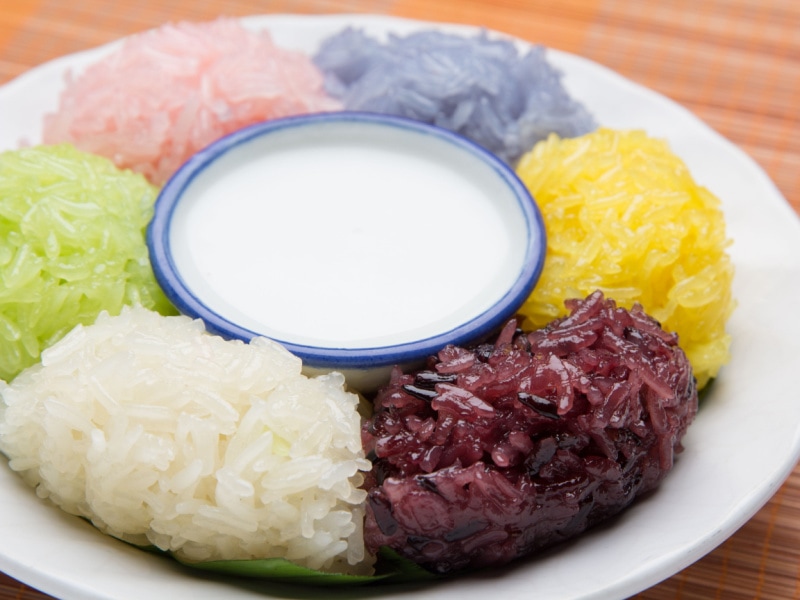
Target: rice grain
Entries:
(221, 450)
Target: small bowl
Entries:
(358, 241)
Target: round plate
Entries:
(744, 443)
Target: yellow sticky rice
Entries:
(624, 215)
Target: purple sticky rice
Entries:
(496, 451)
(479, 87)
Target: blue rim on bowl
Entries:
(192, 298)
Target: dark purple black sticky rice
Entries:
(481, 88)
(496, 451)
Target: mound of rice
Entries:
(160, 433)
(479, 87)
(624, 215)
(72, 244)
(493, 452)
(168, 92)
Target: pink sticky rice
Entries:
(168, 92)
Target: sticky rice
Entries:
(624, 215)
(168, 92)
(480, 87)
(162, 434)
(72, 244)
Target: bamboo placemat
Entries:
(734, 63)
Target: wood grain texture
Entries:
(734, 63)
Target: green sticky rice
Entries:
(72, 244)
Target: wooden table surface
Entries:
(734, 63)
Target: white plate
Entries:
(744, 443)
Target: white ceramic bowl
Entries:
(359, 241)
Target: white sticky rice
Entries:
(162, 434)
